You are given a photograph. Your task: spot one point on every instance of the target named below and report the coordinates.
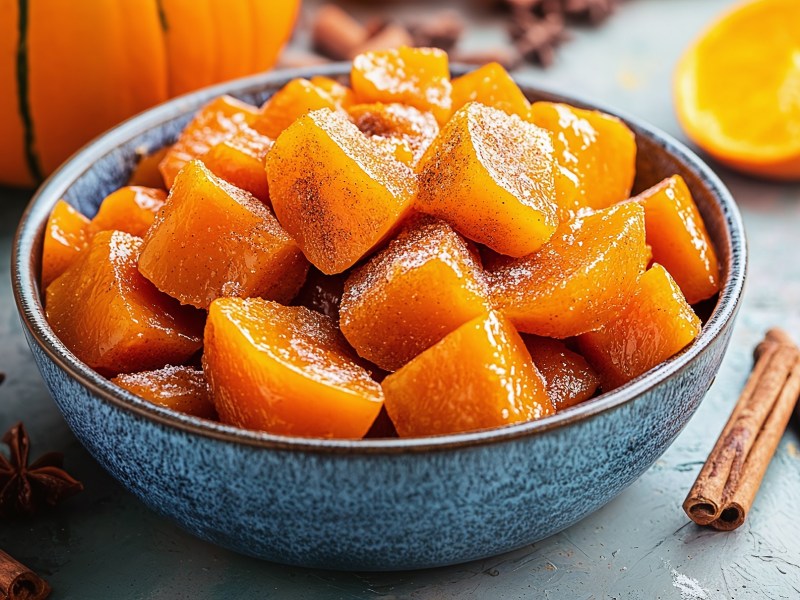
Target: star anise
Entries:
(25, 489)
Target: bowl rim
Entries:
(31, 310)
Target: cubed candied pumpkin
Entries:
(286, 370)
(596, 154)
(292, 101)
(240, 160)
(112, 318)
(493, 86)
(65, 235)
(342, 95)
(336, 193)
(146, 173)
(569, 379)
(322, 293)
(214, 123)
(422, 286)
(678, 237)
(578, 280)
(419, 77)
(410, 129)
(212, 239)
(478, 376)
(656, 324)
(131, 209)
(183, 389)
(490, 175)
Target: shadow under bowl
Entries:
(382, 504)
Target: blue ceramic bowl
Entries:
(371, 504)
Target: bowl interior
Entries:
(106, 163)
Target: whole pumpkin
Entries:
(70, 70)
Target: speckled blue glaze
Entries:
(372, 504)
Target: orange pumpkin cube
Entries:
(131, 209)
(65, 235)
(146, 173)
(419, 77)
(183, 389)
(112, 318)
(292, 101)
(341, 94)
(578, 280)
(596, 154)
(479, 376)
(214, 123)
(493, 86)
(569, 379)
(286, 370)
(656, 324)
(409, 129)
(679, 239)
(490, 175)
(240, 160)
(213, 239)
(336, 193)
(422, 286)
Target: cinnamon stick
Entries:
(17, 582)
(727, 484)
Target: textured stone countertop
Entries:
(105, 544)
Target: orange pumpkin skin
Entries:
(131, 209)
(212, 239)
(570, 380)
(66, 234)
(112, 318)
(183, 389)
(88, 65)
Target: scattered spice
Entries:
(17, 582)
(26, 489)
(440, 30)
(727, 484)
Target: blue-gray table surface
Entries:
(105, 544)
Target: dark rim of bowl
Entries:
(31, 309)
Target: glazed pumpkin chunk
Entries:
(656, 324)
(66, 234)
(334, 191)
(679, 239)
(425, 284)
(112, 318)
(214, 123)
(579, 279)
(568, 377)
(292, 101)
(286, 370)
(341, 94)
(240, 160)
(409, 129)
(490, 175)
(146, 173)
(478, 376)
(213, 239)
(596, 154)
(493, 86)
(418, 77)
(131, 209)
(183, 389)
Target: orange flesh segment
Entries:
(335, 192)
(212, 239)
(493, 86)
(418, 77)
(188, 21)
(292, 101)
(424, 285)
(286, 370)
(580, 279)
(146, 173)
(679, 240)
(479, 376)
(239, 160)
(131, 209)
(656, 324)
(182, 389)
(341, 94)
(112, 318)
(570, 380)
(410, 129)
(217, 121)
(66, 234)
(596, 154)
(490, 175)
